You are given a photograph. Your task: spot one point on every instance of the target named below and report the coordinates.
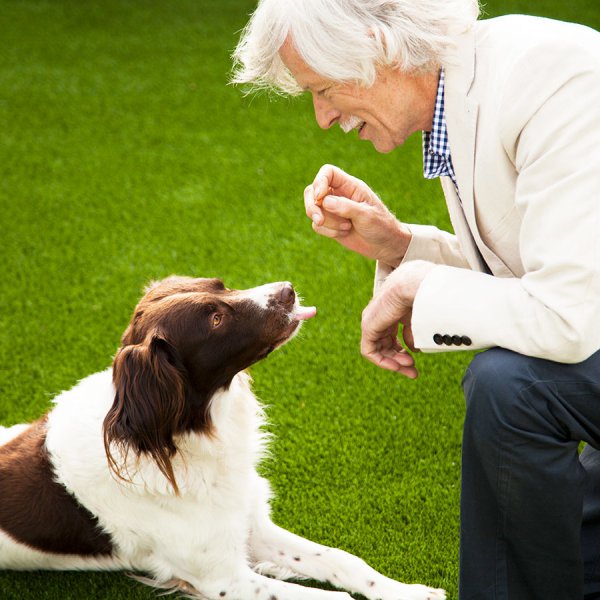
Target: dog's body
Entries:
(150, 466)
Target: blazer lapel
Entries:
(461, 118)
(462, 228)
(461, 121)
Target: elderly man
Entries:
(510, 114)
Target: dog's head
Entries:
(187, 339)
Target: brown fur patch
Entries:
(36, 510)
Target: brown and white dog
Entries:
(150, 465)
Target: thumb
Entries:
(343, 207)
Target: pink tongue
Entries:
(305, 312)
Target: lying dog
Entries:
(151, 465)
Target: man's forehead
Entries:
(305, 77)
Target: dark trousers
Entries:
(530, 503)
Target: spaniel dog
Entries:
(150, 466)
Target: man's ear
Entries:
(149, 406)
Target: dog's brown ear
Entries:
(149, 406)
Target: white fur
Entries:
(216, 536)
(262, 294)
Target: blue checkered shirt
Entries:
(436, 149)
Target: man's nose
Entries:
(325, 114)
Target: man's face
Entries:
(394, 107)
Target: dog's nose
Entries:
(286, 295)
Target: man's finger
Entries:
(349, 209)
(396, 363)
(313, 212)
(330, 232)
(330, 176)
(409, 340)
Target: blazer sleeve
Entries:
(427, 243)
(549, 124)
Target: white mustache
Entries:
(351, 124)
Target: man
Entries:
(510, 114)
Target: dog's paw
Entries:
(422, 592)
(402, 591)
(276, 571)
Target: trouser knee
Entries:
(494, 404)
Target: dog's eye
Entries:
(217, 319)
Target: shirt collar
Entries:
(438, 137)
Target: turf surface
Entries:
(125, 157)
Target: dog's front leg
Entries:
(275, 550)
(249, 585)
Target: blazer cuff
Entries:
(427, 243)
(438, 320)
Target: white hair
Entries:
(346, 40)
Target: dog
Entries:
(150, 465)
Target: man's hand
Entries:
(352, 214)
(381, 318)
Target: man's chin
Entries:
(383, 147)
(386, 145)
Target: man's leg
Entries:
(590, 533)
(523, 484)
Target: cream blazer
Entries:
(522, 101)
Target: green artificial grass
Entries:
(125, 157)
